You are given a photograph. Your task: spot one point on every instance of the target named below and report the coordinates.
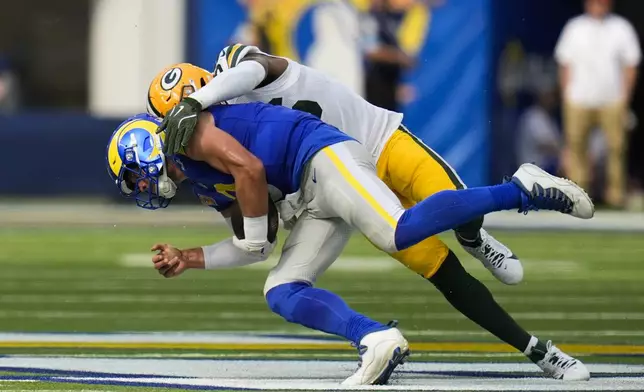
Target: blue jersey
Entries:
(283, 139)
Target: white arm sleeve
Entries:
(226, 255)
(231, 83)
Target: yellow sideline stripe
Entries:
(326, 346)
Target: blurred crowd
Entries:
(388, 35)
(579, 122)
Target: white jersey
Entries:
(307, 89)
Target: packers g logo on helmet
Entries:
(171, 78)
(173, 84)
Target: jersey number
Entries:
(311, 107)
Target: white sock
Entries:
(533, 342)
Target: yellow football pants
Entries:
(414, 172)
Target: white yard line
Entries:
(325, 375)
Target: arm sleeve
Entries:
(230, 84)
(226, 255)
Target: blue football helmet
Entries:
(137, 165)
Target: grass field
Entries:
(582, 290)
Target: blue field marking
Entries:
(78, 373)
(439, 373)
(124, 383)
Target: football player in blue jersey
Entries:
(240, 151)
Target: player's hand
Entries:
(256, 247)
(169, 261)
(179, 125)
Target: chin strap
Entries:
(167, 187)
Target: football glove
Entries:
(179, 125)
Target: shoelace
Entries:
(561, 362)
(549, 199)
(495, 257)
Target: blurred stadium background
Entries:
(75, 254)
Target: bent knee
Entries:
(282, 276)
(279, 298)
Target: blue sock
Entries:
(321, 310)
(446, 210)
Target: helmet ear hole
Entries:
(203, 82)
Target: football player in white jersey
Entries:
(407, 166)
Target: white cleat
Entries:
(496, 257)
(561, 366)
(380, 353)
(548, 192)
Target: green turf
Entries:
(578, 288)
(70, 280)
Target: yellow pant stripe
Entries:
(358, 187)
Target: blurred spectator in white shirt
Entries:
(598, 54)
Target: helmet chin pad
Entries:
(148, 183)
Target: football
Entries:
(237, 221)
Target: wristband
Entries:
(256, 229)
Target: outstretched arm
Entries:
(171, 262)
(253, 71)
(230, 84)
